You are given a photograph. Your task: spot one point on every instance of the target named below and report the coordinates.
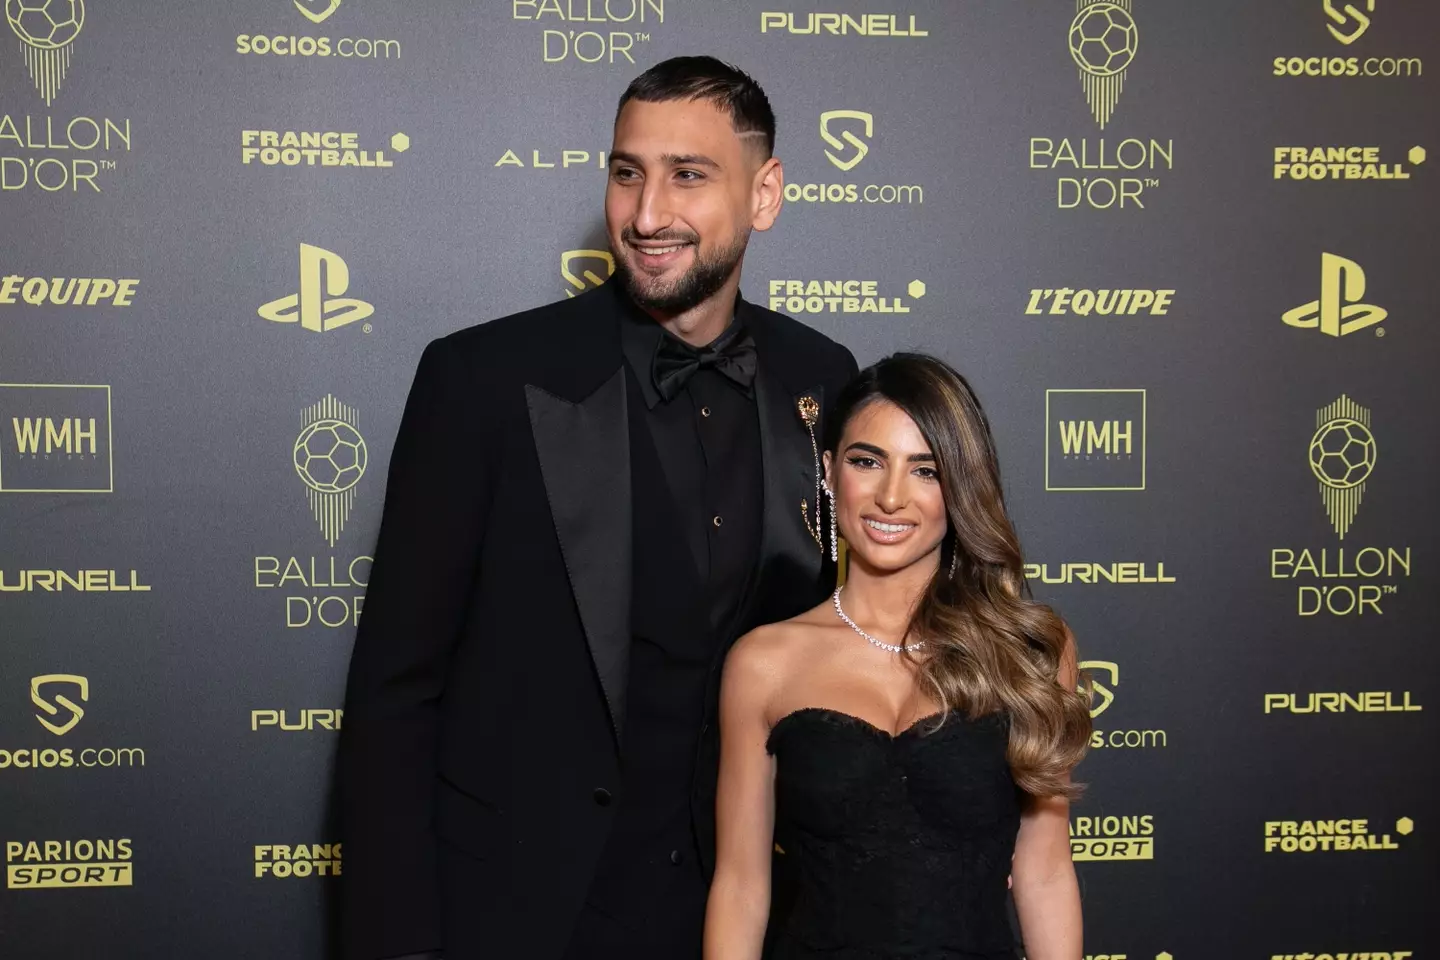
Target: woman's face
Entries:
(888, 500)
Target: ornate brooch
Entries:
(809, 410)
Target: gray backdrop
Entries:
(1158, 463)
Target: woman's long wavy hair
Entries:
(991, 648)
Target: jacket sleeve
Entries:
(425, 564)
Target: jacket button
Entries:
(602, 796)
(676, 857)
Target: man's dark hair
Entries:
(706, 78)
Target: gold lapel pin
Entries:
(809, 409)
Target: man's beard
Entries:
(692, 288)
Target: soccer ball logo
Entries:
(1103, 39)
(330, 456)
(1342, 453)
(46, 24)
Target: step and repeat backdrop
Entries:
(1185, 251)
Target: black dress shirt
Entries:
(708, 440)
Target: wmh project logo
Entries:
(1095, 439)
(55, 438)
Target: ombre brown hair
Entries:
(990, 648)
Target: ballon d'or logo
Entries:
(47, 28)
(1103, 40)
(330, 456)
(1342, 457)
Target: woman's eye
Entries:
(927, 473)
(863, 463)
(625, 173)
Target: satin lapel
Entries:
(584, 450)
(788, 551)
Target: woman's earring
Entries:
(834, 551)
(954, 557)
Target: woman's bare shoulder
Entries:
(773, 648)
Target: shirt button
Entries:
(704, 411)
(676, 857)
(602, 796)
(718, 521)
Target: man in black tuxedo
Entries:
(587, 504)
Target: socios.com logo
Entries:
(51, 701)
(580, 269)
(830, 120)
(1101, 696)
(317, 11)
(1103, 41)
(47, 28)
(1342, 457)
(330, 456)
(1349, 22)
(319, 305)
(1339, 310)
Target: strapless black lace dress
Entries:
(899, 846)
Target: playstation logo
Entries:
(1340, 309)
(319, 305)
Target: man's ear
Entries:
(769, 194)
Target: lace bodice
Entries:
(900, 846)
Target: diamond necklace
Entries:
(888, 647)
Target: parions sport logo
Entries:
(1130, 837)
(67, 864)
(285, 44)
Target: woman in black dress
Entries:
(907, 745)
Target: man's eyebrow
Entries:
(669, 159)
(689, 160)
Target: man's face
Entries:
(684, 193)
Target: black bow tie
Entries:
(732, 354)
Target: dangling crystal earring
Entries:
(834, 551)
(954, 557)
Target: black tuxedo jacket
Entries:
(484, 717)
